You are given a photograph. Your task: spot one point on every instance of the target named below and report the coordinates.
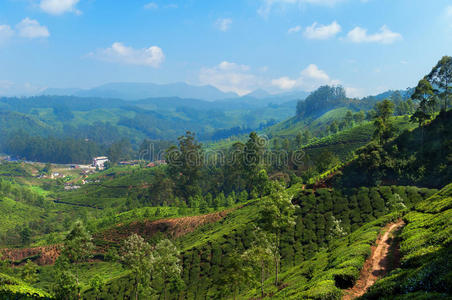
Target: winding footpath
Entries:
(377, 264)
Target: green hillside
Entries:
(205, 251)
(420, 156)
(13, 288)
(426, 250)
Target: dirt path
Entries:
(376, 265)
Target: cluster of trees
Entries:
(321, 100)
(348, 121)
(241, 168)
(411, 158)
(153, 269)
(62, 149)
(50, 149)
(434, 90)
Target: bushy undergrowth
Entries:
(13, 288)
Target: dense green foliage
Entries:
(421, 157)
(13, 288)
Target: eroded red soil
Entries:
(377, 265)
(174, 227)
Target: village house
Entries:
(99, 162)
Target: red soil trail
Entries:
(377, 265)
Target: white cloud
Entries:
(383, 36)
(230, 77)
(322, 32)
(59, 7)
(268, 5)
(403, 62)
(284, 83)
(6, 85)
(449, 11)
(354, 92)
(223, 24)
(310, 78)
(294, 29)
(32, 29)
(448, 14)
(9, 88)
(5, 32)
(119, 53)
(151, 5)
(312, 71)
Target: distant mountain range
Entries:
(138, 91)
(131, 91)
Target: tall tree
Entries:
(137, 257)
(252, 158)
(424, 94)
(77, 248)
(167, 267)
(235, 276)
(441, 78)
(276, 216)
(260, 256)
(30, 272)
(383, 127)
(349, 118)
(185, 163)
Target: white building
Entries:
(99, 161)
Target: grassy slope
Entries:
(202, 249)
(317, 277)
(15, 213)
(346, 141)
(13, 288)
(426, 249)
(426, 259)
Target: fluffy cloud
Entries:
(449, 11)
(59, 7)
(448, 14)
(9, 88)
(223, 24)
(322, 32)
(31, 29)
(354, 92)
(284, 83)
(294, 29)
(119, 53)
(267, 5)
(5, 32)
(151, 5)
(230, 77)
(383, 36)
(310, 78)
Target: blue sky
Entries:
(236, 45)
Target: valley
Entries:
(193, 150)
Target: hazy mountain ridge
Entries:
(135, 91)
